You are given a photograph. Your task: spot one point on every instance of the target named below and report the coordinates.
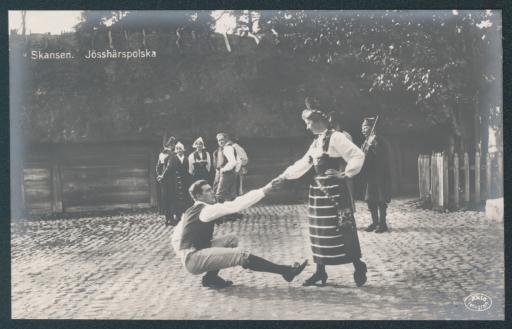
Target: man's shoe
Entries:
(381, 228)
(295, 270)
(215, 282)
(371, 227)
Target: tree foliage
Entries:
(418, 70)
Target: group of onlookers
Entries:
(176, 172)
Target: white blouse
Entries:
(339, 147)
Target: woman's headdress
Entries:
(198, 141)
(179, 145)
(314, 114)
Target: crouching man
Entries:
(199, 252)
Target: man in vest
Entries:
(226, 176)
(224, 159)
(199, 252)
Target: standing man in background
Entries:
(378, 176)
(224, 159)
(164, 179)
(225, 183)
(241, 167)
(180, 181)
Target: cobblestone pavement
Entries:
(123, 267)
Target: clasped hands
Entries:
(276, 183)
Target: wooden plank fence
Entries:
(454, 182)
(63, 179)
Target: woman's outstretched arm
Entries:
(299, 168)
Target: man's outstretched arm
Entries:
(213, 211)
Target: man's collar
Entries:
(201, 202)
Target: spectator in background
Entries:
(164, 179)
(224, 159)
(241, 167)
(377, 173)
(199, 162)
(179, 182)
(225, 183)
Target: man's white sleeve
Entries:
(214, 211)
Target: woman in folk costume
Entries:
(164, 179)
(332, 229)
(179, 182)
(199, 162)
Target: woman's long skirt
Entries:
(332, 243)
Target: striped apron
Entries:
(330, 243)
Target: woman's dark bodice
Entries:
(325, 162)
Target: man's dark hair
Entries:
(197, 188)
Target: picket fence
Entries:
(457, 182)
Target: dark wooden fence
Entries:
(59, 179)
(455, 182)
(62, 178)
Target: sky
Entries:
(45, 21)
(58, 21)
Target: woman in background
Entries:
(199, 162)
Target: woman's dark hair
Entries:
(197, 188)
(317, 115)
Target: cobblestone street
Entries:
(123, 267)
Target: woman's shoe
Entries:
(360, 274)
(295, 270)
(318, 276)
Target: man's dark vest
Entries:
(196, 234)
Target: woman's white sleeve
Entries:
(299, 168)
(352, 154)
